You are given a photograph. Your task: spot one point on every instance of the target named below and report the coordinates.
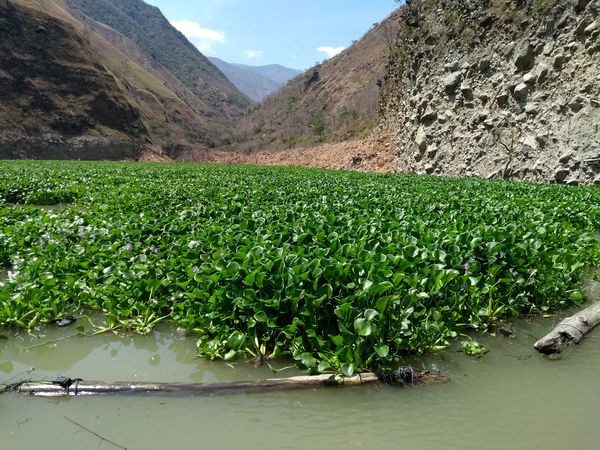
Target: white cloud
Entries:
(253, 53)
(202, 37)
(330, 51)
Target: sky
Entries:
(293, 33)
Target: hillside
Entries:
(497, 90)
(146, 26)
(333, 101)
(174, 110)
(257, 82)
(56, 101)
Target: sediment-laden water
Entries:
(510, 398)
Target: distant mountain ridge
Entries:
(257, 82)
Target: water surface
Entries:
(512, 398)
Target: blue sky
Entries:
(292, 33)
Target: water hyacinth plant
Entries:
(340, 271)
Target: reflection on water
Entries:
(512, 398)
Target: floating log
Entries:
(66, 387)
(570, 331)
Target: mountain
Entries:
(179, 97)
(146, 26)
(494, 90)
(56, 101)
(333, 101)
(257, 82)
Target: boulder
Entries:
(421, 139)
(580, 5)
(577, 103)
(591, 28)
(565, 157)
(521, 92)
(466, 90)
(561, 174)
(502, 100)
(524, 55)
(559, 61)
(529, 78)
(530, 144)
(542, 73)
(432, 151)
(429, 116)
(581, 27)
(452, 66)
(452, 81)
(531, 109)
(484, 65)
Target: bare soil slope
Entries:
(375, 153)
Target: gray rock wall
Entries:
(498, 89)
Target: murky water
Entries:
(512, 398)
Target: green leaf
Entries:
(233, 269)
(380, 288)
(230, 355)
(577, 296)
(249, 279)
(323, 366)
(337, 340)
(382, 350)
(236, 340)
(473, 348)
(370, 314)
(308, 360)
(366, 284)
(261, 316)
(362, 327)
(343, 311)
(348, 369)
(483, 312)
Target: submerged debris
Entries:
(65, 322)
(62, 386)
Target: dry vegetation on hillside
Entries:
(334, 101)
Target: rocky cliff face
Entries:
(497, 89)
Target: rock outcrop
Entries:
(497, 89)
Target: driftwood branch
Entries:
(54, 341)
(570, 331)
(102, 438)
(402, 377)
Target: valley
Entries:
(176, 208)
